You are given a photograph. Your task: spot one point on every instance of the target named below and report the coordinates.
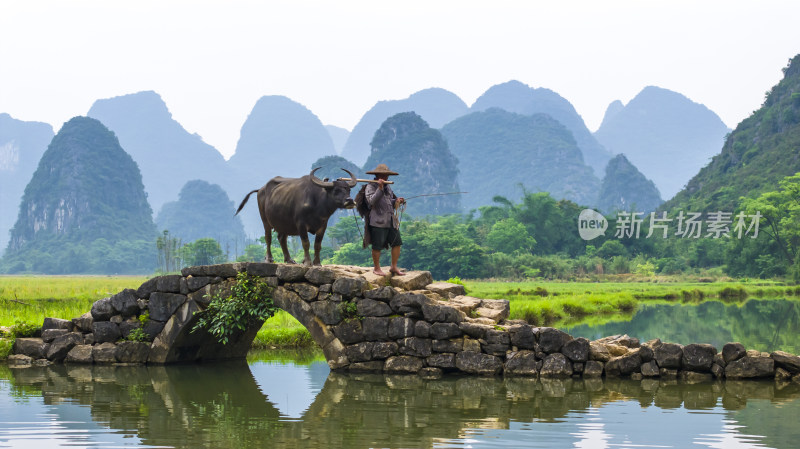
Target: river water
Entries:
(293, 400)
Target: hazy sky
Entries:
(211, 61)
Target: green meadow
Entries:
(29, 299)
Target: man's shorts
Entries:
(384, 237)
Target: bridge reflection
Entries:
(225, 405)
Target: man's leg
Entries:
(395, 258)
(376, 262)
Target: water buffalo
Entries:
(299, 206)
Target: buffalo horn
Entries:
(318, 181)
(353, 181)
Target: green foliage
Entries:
(349, 310)
(611, 248)
(138, 334)
(24, 330)
(6, 345)
(508, 236)
(169, 256)
(249, 302)
(253, 253)
(205, 251)
(455, 280)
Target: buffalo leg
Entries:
(282, 239)
(306, 256)
(268, 239)
(318, 245)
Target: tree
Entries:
(508, 236)
(204, 251)
(168, 252)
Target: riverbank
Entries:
(29, 299)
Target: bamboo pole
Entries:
(365, 180)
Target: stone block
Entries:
(624, 365)
(522, 363)
(349, 287)
(442, 313)
(62, 345)
(418, 347)
(444, 331)
(384, 294)
(19, 360)
(194, 283)
(649, 369)
(320, 275)
(147, 288)
(329, 312)
(57, 323)
(170, 283)
(750, 367)
(105, 331)
(551, 340)
(349, 332)
(478, 363)
(48, 335)
(80, 354)
(598, 352)
(371, 307)
(359, 352)
(125, 302)
(305, 291)
(261, 269)
(163, 305)
(422, 329)
(577, 350)
(412, 280)
(446, 289)
(225, 270)
(127, 326)
(645, 353)
(104, 353)
(446, 361)
(102, 310)
(669, 355)
(400, 327)
(733, 351)
(374, 366)
(430, 373)
(521, 336)
(592, 369)
(384, 349)
(152, 328)
(453, 345)
(698, 357)
(474, 330)
(408, 302)
(375, 328)
(84, 322)
(35, 348)
(403, 364)
(556, 365)
(789, 362)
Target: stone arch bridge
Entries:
(401, 324)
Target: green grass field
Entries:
(29, 299)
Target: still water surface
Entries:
(296, 401)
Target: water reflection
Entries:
(765, 325)
(278, 404)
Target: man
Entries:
(383, 228)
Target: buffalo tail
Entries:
(244, 201)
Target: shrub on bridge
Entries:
(250, 301)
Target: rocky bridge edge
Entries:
(407, 324)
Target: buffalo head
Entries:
(338, 191)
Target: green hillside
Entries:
(763, 149)
(421, 156)
(84, 210)
(624, 188)
(501, 152)
(202, 210)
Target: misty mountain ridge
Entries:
(666, 135)
(435, 105)
(624, 188)
(502, 153)
(517, 97)
(21, 146)
(167, 154)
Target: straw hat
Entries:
(381, 169)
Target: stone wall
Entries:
(369, 323)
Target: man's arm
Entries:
(374, 193)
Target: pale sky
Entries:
(212, 60)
